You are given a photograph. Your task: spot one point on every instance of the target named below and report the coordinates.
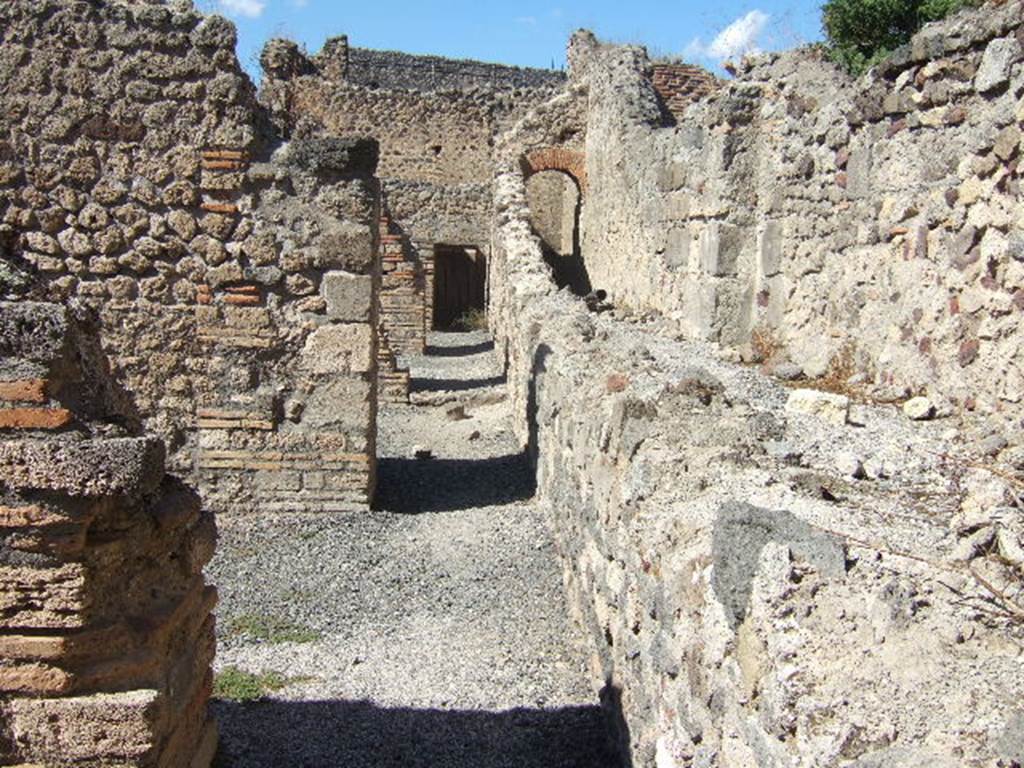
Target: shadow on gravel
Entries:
(412, 486)
(463, 351)
(322, 734)
(454, 385)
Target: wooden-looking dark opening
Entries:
(460, 285)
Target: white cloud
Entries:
(300, 3)
(251, 8)
(530, 21)
(737, 39)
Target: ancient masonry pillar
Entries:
(106, 632)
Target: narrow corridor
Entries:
(434, 630)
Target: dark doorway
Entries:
(460, 286)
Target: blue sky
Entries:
(527, 32)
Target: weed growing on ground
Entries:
(472, 320)
(271, 629)
(234, 684)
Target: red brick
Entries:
(617, 382)
(223, 165)
(220, 207)
(34, 418)
(28, 391)
(241, 299)
(225, 154)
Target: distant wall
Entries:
(392, 70)
(435, 120)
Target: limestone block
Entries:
(339, 404)
(858, 170)
(770, 248)
(347, 246)
(113, 728)
(677, 251)
(126, 466)
(996, 63)
(349, 297)
(720, 249)
(824, 405)
(339, 349)
(919, 409)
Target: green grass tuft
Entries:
(234, 684)
(271, 629)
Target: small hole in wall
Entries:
(436, 149)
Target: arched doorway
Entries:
(555, 202)
(555, 184)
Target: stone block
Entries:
(720, 246)
(347, 246)
(339, 349)
(118, 728)
(116, 466)
(349, 297)
(342, 404)
(824, 405)
(770, 248)
(677, 251)
(996, 64)
(858, 172)
(32, 331)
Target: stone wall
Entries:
(768, 577)
(235, 282)
(394, 70)
(858, 228)
(106, 630)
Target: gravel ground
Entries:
(436, 629)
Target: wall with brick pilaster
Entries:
(106, 631)
(236, 291)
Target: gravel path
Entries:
(434, 631)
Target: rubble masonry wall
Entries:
(866, 227)
(235, 280)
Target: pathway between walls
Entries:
(436, 632)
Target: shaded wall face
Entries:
(236, 298)
(801, 215)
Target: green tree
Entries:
(860, 33)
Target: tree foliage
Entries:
(861, 33)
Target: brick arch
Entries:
(567, 161)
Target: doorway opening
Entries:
(555, 201)
(460, 287)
